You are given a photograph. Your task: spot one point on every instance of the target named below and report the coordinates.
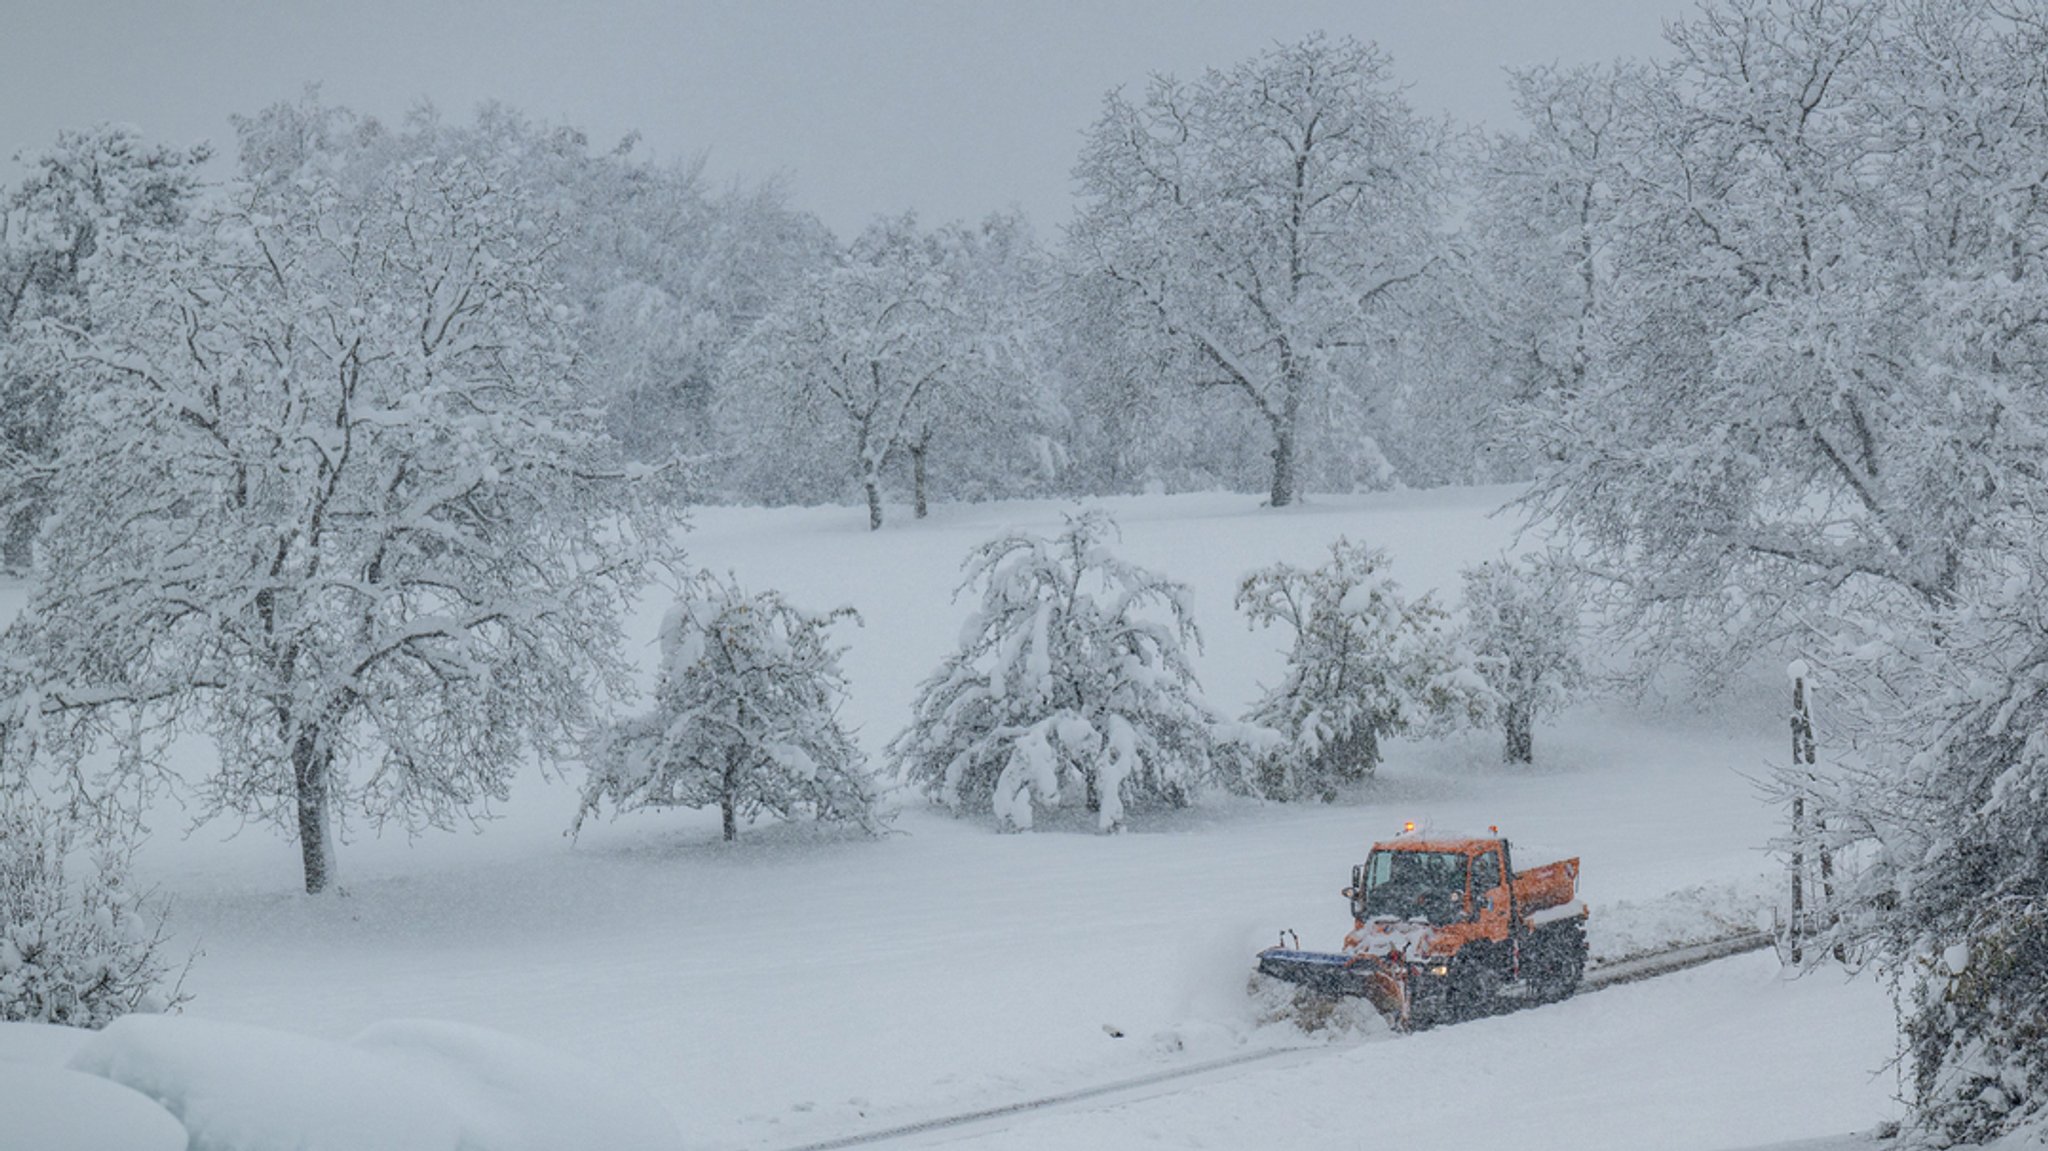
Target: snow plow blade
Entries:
(1332, 974)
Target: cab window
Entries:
(1485, 876)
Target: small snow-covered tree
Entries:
(1522, 629)
(1064, 687)
(1367, 662)
(746, 717)
(75, 949)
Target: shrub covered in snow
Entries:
(746, 717)
(1522, 628)
(78, 951)
(1366, 663)
(1064, 687)
(1937, 830)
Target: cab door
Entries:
(1491, 908)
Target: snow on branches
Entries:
(1066, 686)
(915, 346)
(1806, 406)
(1522, 631)
(746, 717)
(75, 950)
(1934, 817)
(1366, 662)
(80, 201)
(330, 489)
(1261, 223)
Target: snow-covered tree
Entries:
(1130, 426)
(333, 492)
(667, 275)
(1544, 229)
(1265, 220)
(1815, 415)
(1071, 684)
(746, 717)
(1521, 630)
(1367, 662)
(990, 432)
(1803, 378)
(912, 351)
(75, 949)
(86, 192)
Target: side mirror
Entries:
(1356, 892)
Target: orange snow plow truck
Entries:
(1444, 929)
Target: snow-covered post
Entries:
(1802, 755)
(1807, 826)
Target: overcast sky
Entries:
(866, 106)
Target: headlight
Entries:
(1440, 969)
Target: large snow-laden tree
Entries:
(85, 193)
(667, 276)
(1128, 427)
(1809, 369)
(1266, 219)
(1071, 683)
(1367, 662)
(673, 278)
(1818, 415)
(746, 717)
(662, 272)
(332, 493)
(1521, 630)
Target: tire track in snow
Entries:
(1598, 977)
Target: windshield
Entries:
(1428, 886)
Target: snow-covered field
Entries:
(799, 986)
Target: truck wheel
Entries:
(1560, 961)
(1471, 990)
(1429, 1007)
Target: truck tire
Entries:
(1556, 959)
(1472, 989)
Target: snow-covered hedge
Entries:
(1065, 689)
(77, 949)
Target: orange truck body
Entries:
(1443, 929)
